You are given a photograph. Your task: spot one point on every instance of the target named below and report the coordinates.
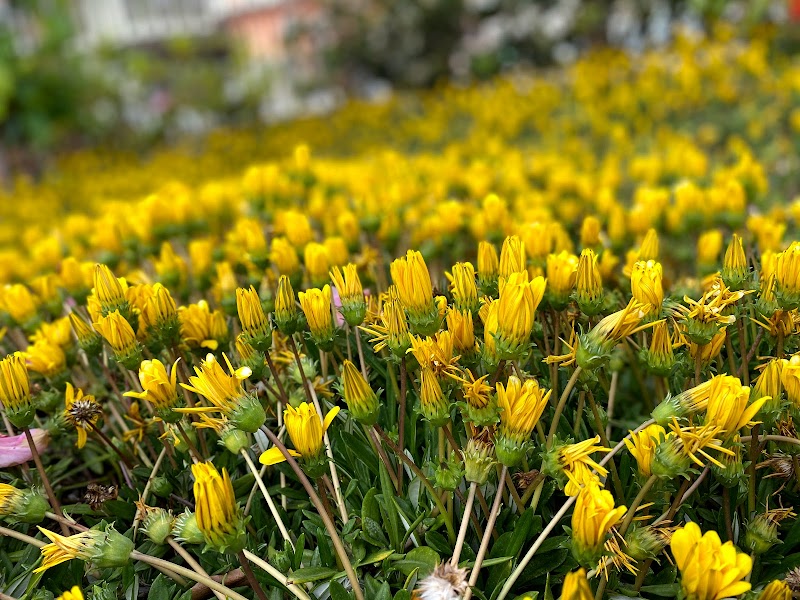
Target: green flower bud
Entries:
(642, 543)
(478, 461)
(157, 525)
(448, 474)
(249, 415)
(762, 533)
(185, 529)
(234, 440)
(161, 487)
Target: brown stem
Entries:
(192, 450)
(107, 441)
(303, 377)
(329, 526)
(251, 577)
(45, 480)
(276, 377)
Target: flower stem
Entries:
(312, 397)
(148, 485)
(462, 530)
(329, 526)
(272, 508)
(192, 563)
(192, 449)
(278, 382)
(498, 498)
(376, 445)
(251, 577)
(45, 480)
(297, 591)
(561, 404)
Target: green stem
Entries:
(561, 403)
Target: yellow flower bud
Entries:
(512, 257)
(15, 390)
(316, 305)
(159, 388)
(120, 336)
(218, 514)
(361, 399)
(317, 263)
(709, 569)
(463, 287)
(351, 294)
(592, 519)
(642, 446)
(521, 405)
(255, 326)
(561, 276)
(646, 284)
(413, 281)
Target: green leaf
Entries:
(438, 542)
(389, 510)
(424, 559)
(667, 591)
(369, 506)
(162, 588)
(311, 574)
(376, 557)
(338, 592)
(373, 533)
(402, 595)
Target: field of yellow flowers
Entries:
(529, 339)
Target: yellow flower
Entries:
(433, 404)
(435, 353)
(15, 389)
(488, 265)
(735, 271)
(76, 277)
(360, 398)
(17, 301)
(103, 549)
(790, 378)
(576, 586)
(594, 347)
(110, 291)
(225, 286)
(561, 276)
(512, 257)
(160, 317)
(519, 299)
(659, 356)
(489, 315)
(709, 245)
(588, 283)
(776, 590)
(201, 328)
(120, 336)
(642, 446)
(593, 517)
(74, 594)
(297, 228)
(254, 322)
(463, 287)
(218, 515)
(393, 330)
(82, 412)
(538, 240)
(170, 267)
(787, 277)
(769, 385)
(351, 293)
(728, 408)
(461, 327)
(649, 248)
(284, 257)
(316, 305)
(646, 284)
(710, 570)
(45, 358)
(590, 232)
(336, 249)
(413, 281)
(158, 388)
(686, 445)
(317, 262)
(57, 333)
(705, 353)
(521, 405)
(225, 393)
(307, 432)
(201, 254)
(576, 464)
(286, 313)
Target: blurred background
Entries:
(132, 73)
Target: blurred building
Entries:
(261, 26)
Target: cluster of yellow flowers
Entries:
(516, 272)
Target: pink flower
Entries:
(14, 450)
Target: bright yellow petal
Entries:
(273, 456)
(329, 418)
